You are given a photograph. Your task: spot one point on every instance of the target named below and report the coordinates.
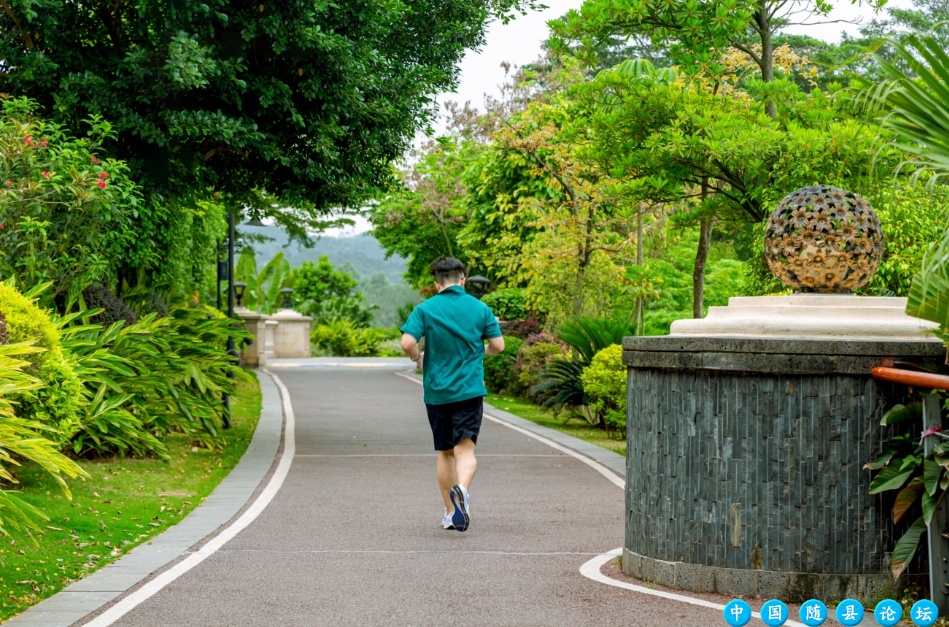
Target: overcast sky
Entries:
(519, 42)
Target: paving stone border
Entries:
(764, 584)
(90, 595)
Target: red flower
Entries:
(94, 160)
(103, 175)
(9, 183)
(44, 143)
(101, 183)
(29, 140)
(46, 174)
(1, 225)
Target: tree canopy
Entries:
(305, 102)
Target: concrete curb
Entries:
(92, 594)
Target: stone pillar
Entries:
(253, 354)
(292, 338)
(270, 332)
(747, 433)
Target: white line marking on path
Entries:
(151, 588)
(595, 465)
(591, 570)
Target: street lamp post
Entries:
(231, 348)
(479, 285)
(231, 294)
(287, 295)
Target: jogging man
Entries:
(454, 326)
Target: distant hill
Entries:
(362, 252)
(360, 255)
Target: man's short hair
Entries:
(448, 270)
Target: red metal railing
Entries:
(913, 378)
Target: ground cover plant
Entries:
(123, 503)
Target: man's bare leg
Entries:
(447, 477)
(466, 465)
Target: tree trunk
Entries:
(701, 257)
(766, 64)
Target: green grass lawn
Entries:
(126, 502)
(577, 427)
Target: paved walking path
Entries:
(340, 525)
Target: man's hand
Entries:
(495, 346)
(410, 348)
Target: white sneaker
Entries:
(447, 523)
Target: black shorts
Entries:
(453, 422)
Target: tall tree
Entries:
(274, 103)
(696, 33)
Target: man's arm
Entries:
(495, 346)
(410, 348)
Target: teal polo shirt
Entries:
(454, 326)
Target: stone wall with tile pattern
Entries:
(738, 470)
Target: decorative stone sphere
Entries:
(823, 239)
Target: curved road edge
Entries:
(112, 591)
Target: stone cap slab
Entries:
(808, 316)
(775, 355)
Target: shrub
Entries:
(24, 439)
(67, 214)
(113, 308)
(535, 354)
(560, 384)
(154, 377)
(522, 329)
(499, 369)
(342, 338)
(507, 303)
(58, 402)
(604, 382)
(109, 424)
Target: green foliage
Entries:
(58, 403)
(263, 287)
(109, 425)
(500, 187)
(507, 303)
(912, 217)
(533, 358)
(110, 307)
(152, 378)
(691, 31)
(66, 216)
(342, 338)
(588, 336)
(929, 293)
(307, 101)
(23, 439)
(560, 384)
(329, 295)
(917, 108)
(499, 369)
(420, 220)
(604, 382)
(919, 480)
